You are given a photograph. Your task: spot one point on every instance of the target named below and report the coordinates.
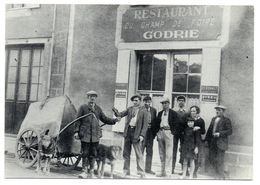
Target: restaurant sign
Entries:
(172, 23)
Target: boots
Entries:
(91, 174)
(84, 173)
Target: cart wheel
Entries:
(70, 162)
(26, 148)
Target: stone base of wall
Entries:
(239, 162)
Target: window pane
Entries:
(10, 91)
(35, 75)
(156, 101)
(22, 91)
(25, 58)
(195, 64)
(13, 58)
(24, 75)
(179, 83)
(180, 64)
(193, 100)
(33, 94)
(159, 71)
(36, 57)
(145, 71)
(194, 84)
(12, 74)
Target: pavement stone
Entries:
(10, 148)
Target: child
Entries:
(189, 147)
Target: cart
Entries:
(58, 116)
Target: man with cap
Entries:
(165, 128)
(217, 138)
(178, 135)
(89, 132)
(150, 134)
(134, 134)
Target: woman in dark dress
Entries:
(199, 126)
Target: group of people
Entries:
(171, 128)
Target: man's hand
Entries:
(141, 138)
(217, 134)
(76, 135)
(118, 119)
(196, 150)
(196, 128)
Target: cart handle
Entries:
(86, 115)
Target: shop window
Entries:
(187, 78)
(183, 76)
(24, 73)
(152, 69)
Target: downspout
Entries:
(51, 51)
(67, 75)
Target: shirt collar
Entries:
(181, 110)
(197, 118)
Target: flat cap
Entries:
(165, 100)
(220, 107)
(136, 96)
(147, 98)
(92, 93)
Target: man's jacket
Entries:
(88, 128)
(141, 122)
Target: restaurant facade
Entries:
(204, 53)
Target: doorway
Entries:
(23, 82)
(171, 74)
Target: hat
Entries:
(181, 97)
(136, 96)
(220, 107)
(147, 98)
(92, 93)
(165, 100)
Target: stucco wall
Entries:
(236, 83)
(94, 56)
(29, 23)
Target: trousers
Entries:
(148, 145)
(216, 158)
(165, 144)
(178, 138)
(127, 152)
(89, 155)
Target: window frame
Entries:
(29, 83)
(25, 6)
(170, 72)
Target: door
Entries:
(152, 75)
(171, 74)
(24, 67)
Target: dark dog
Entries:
(47, 146)
(107, 155)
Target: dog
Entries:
(107, 155)
(47, 150)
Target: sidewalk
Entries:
(10, 141)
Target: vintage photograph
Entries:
(129, 91)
